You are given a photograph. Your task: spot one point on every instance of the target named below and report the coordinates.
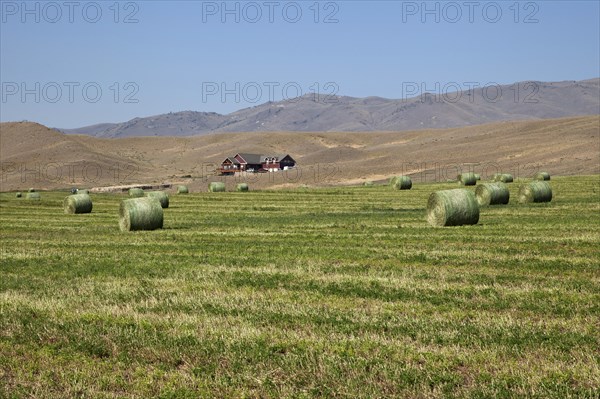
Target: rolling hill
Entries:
(34, 155)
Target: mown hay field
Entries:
(340, 292)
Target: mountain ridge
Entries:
(530, 100)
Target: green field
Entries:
(341, 292)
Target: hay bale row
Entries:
(140, 214)
(77, 203)
(182, 190)
(452, 208)
(34, 196)
(242, 187)
(536, 191)
(401, 182)
(492, 194)
(503, 177)
(161, 196)
(136, 192)
(216, 187)
(467, 179)
(542, 176)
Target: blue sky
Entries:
(92, 62)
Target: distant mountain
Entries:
(519, 101)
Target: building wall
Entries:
(271, 165)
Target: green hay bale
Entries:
(32, 195)
(19, 195)
(401, 183)
(368, 183)
(503, 177)
(242, 187)
(492, 194)
(82, 191)
(31, 190)
(506, 178)
(477, 176)
(77, 203)
(542, 176)
(216, 187)
(536, 191)
(467, 179)
(136, 192)
(452, 208)
(182, 190)
(161, 196)
(140, 214)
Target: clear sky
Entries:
(71, 64)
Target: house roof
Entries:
(258, 158)
(231, 160)
(251, 158)
(280, 157)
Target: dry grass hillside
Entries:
(33, 155)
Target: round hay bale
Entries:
(503, 177)
(401, 183)
(182, 190)
(542, 176)
(77, 203)
(477, 176)
(242, 187)
(19, 194)
(467, 179)
(73, 190)
(368, 183)
(216, 187)
(536, 191)
(31, 190)
(32, 195)
(140, 214)
(83, 191)
(161, 196)
(452, 208)
(136, 192)
(492, 194)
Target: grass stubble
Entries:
(333, 292)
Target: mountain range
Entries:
(310, 113)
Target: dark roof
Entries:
(251, 158)
(281, 157)
(258, 158)
(232, 160)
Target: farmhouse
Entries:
(243, 162)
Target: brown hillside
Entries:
(33, 155)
